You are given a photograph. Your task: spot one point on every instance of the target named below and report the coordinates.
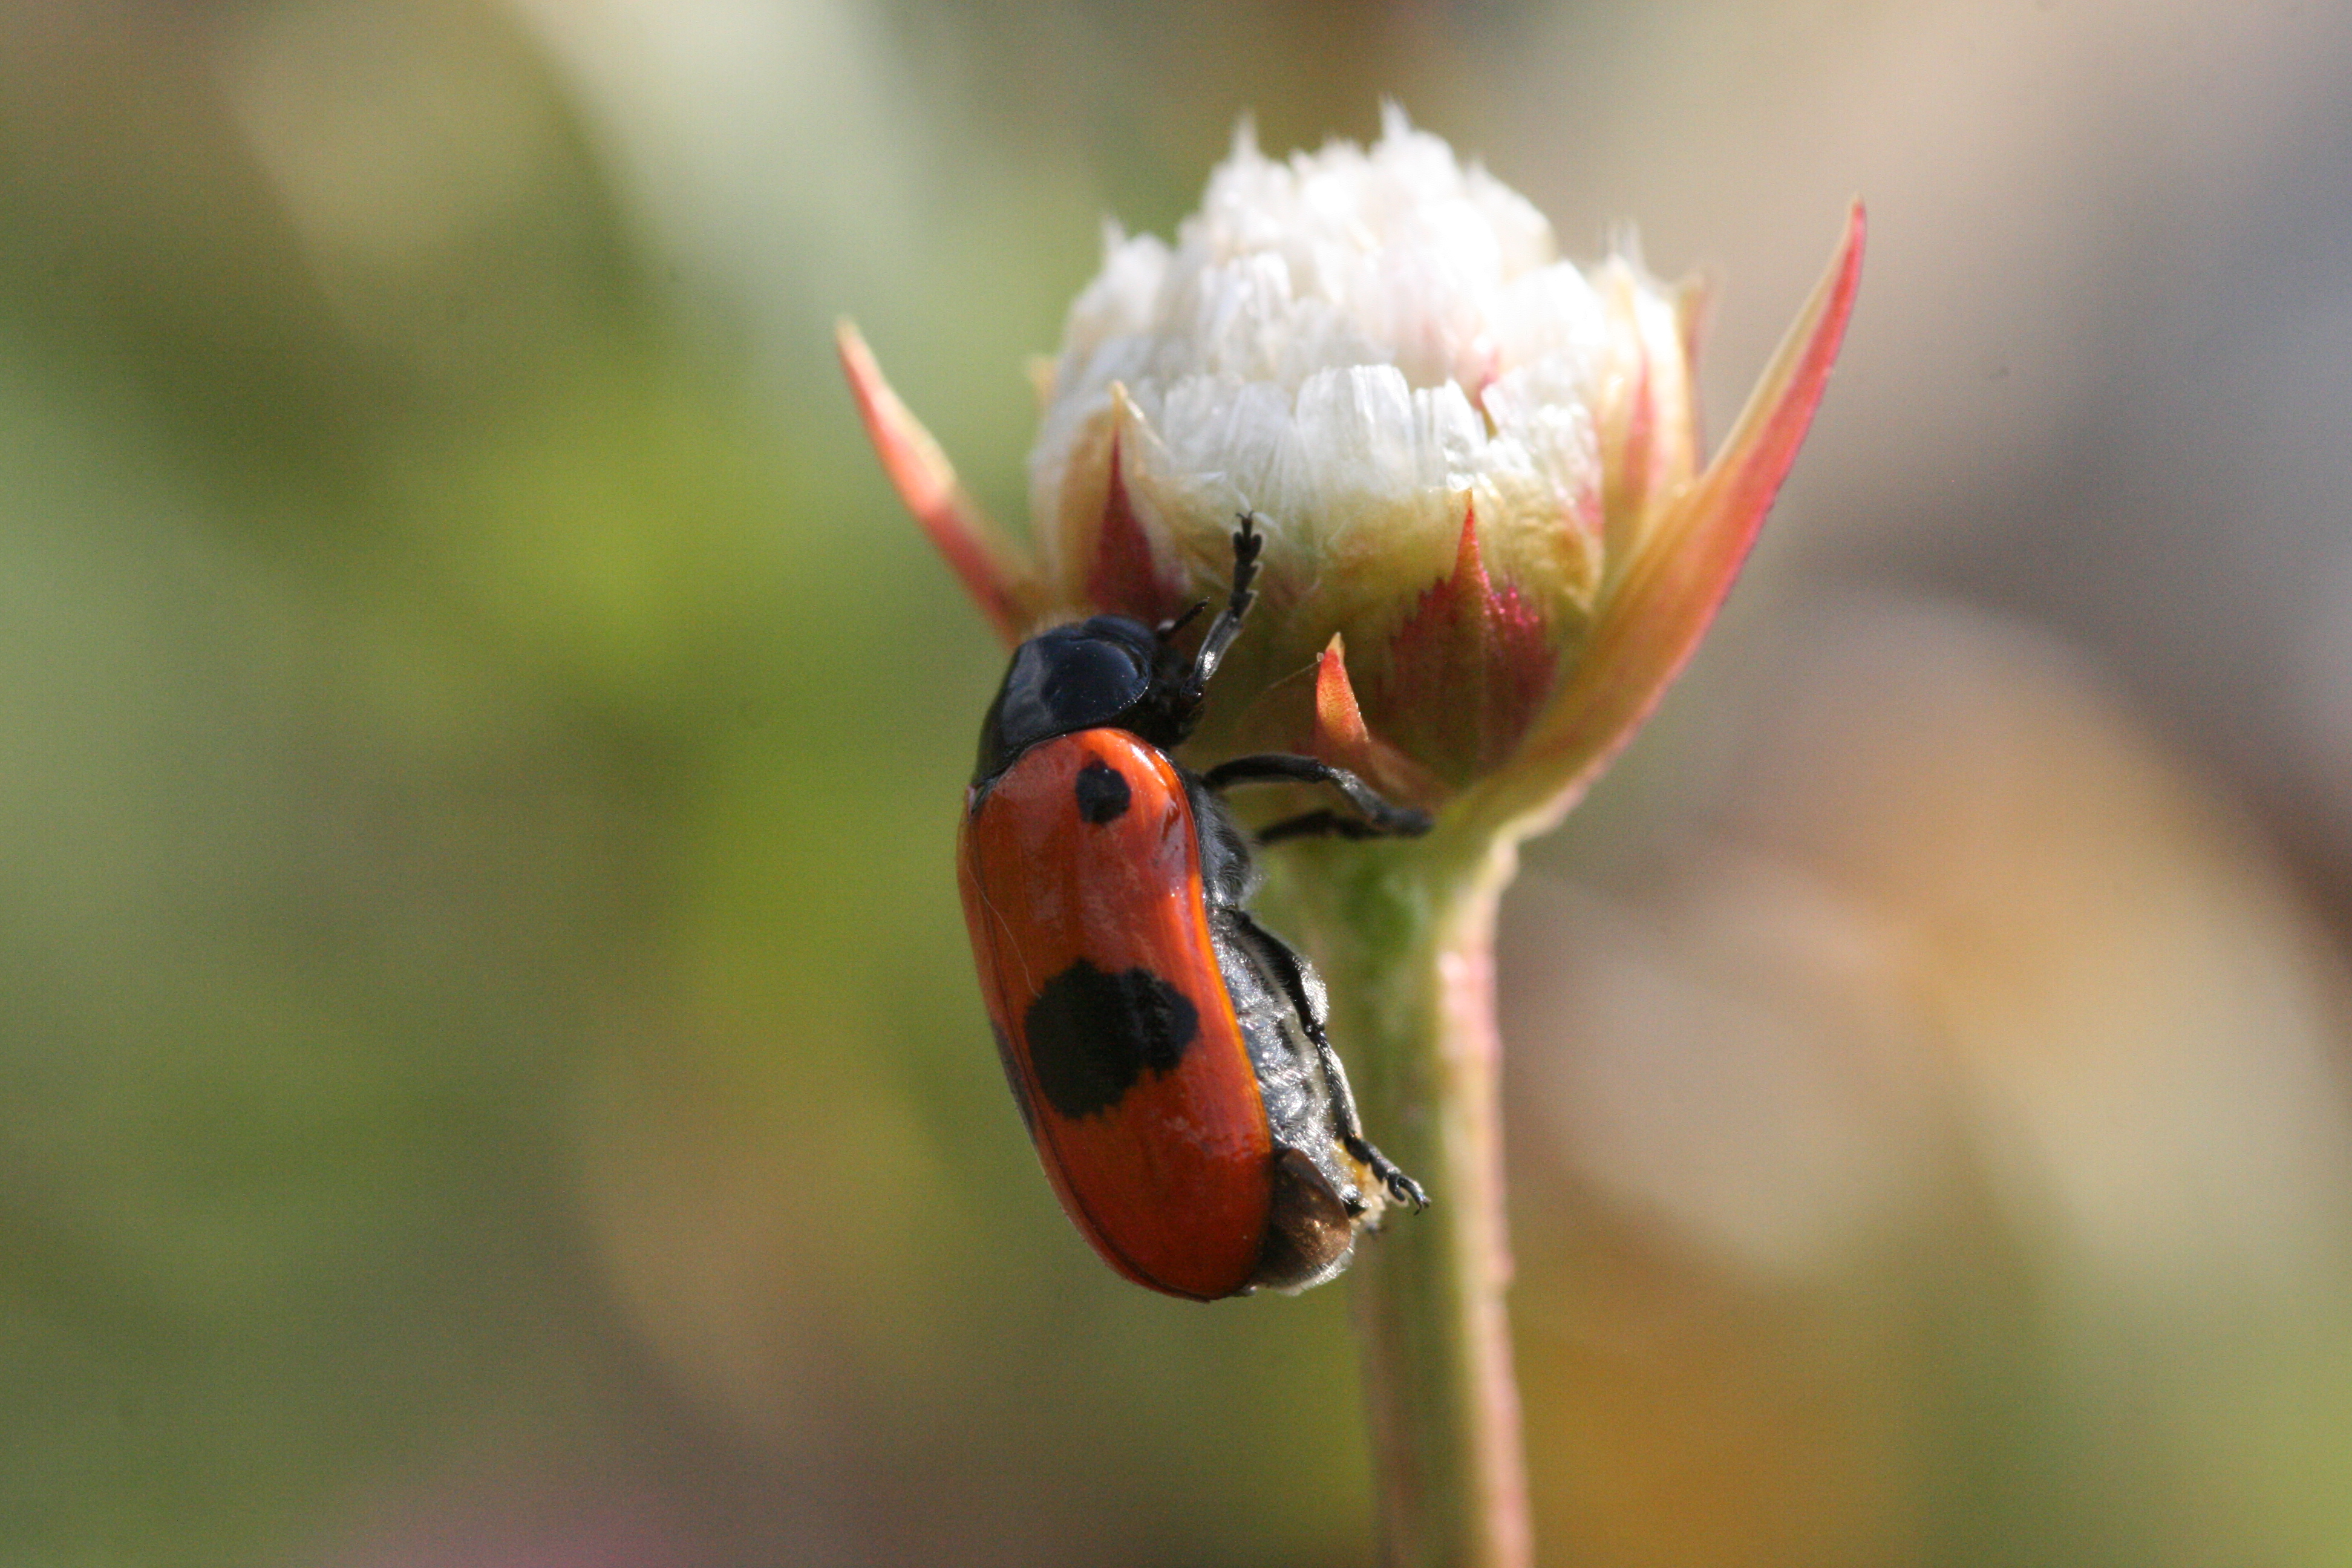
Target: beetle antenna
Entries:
(1247, 543)
(1168, 629)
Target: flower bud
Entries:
(1490, 543)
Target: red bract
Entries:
(1468, 671)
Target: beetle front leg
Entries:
(1379, 818)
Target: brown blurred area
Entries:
(490, 1073)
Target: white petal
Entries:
(1352, 341)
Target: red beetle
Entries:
(1168, 1052)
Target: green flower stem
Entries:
(1405, 934)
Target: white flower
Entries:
(1472, 462)
(1336, 339)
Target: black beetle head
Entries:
(1107, 671)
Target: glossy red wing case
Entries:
(1081, 879)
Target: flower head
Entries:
(1490, 542)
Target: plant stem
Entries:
(1406, 936)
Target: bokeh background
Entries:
(488, 1068)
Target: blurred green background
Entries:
(489, 1072)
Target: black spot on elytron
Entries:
(1091, 1034)
(1103, 794)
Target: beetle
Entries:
(1170, 1055)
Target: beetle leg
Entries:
(1324, 824)
(1306, 996)
(1402, 1187)
(1380, 819)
